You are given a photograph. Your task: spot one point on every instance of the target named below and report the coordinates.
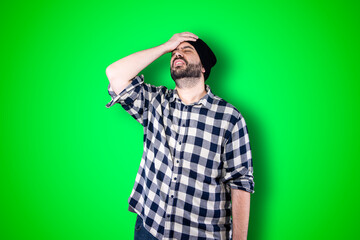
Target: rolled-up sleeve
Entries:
(128, 94)
(237, 158)
(135, 98)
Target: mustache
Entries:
(181, 59)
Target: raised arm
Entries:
(122, 71)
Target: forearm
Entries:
(122, 71)
(240, 213)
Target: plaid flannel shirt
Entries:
(193, 155)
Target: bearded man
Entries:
(196, 172)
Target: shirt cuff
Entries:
(124, 93)
(245, 185)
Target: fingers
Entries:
(178, 38)
(189, 36)
(188, 39)
(185, 36)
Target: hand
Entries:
(178, 38)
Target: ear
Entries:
(202, 69)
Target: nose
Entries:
(178, 53)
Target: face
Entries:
(185, 62)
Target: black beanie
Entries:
(207, 57)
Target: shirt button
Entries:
(180, 142)
(175, 178)
(177, 161)
(172, 196)
(168, 215)
(183, 125)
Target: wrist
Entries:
(164, 48)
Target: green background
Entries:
(68, 163)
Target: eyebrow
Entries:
(185, 47)
(188, 47)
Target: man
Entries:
(196, 174)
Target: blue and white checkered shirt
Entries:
(193, 155)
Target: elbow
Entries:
(111, 73)
(108, 71)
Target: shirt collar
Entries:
(206, 100)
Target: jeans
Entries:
(140, 232)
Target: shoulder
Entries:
(232, 119)
(157, 90)
(229, 111)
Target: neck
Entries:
(192, 94)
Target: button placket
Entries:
(175, 170)
(184, 117)
(182, 129)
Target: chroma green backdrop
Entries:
(68, 163)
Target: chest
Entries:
(187, 130)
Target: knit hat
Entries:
(207, 57)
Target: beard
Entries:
(186, 77)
